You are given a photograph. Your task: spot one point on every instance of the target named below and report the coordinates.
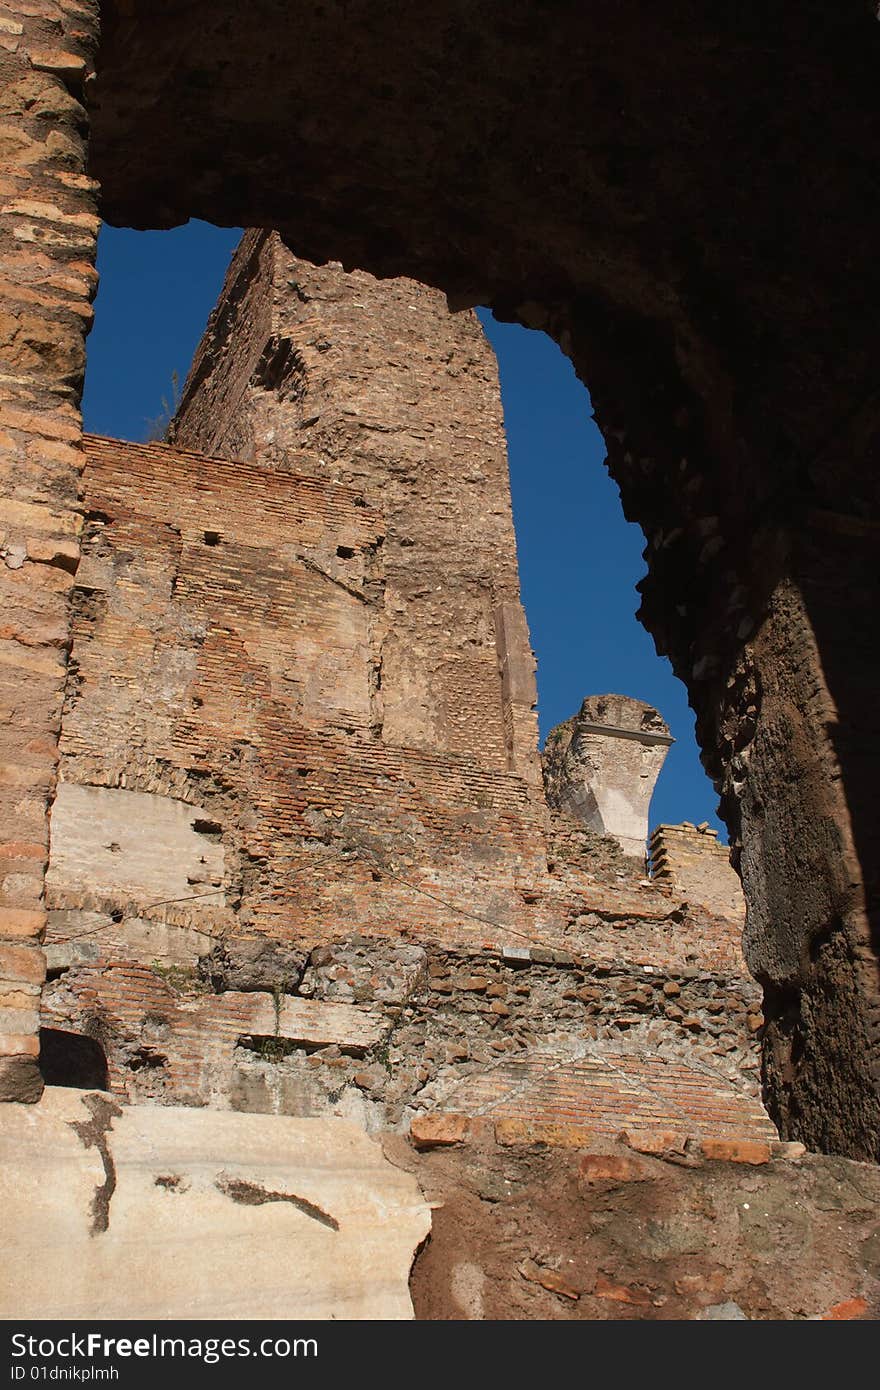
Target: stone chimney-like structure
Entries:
(602, 766)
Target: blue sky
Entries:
(579, 559)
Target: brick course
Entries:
(688, 860)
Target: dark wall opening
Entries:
(72, 1059)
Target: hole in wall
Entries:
(268, 1047)
(212, 828)
(212, 537)
(145, 1058)
(72, 1059)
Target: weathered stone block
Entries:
(209, 1215)
(107, 843)
(438, 1131)
(613, 1168)
(751, 1151)
(21, 922)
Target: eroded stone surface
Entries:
(374, 384)
(389, 919)
(382, 1031)
(522, 1230)
(602, 766)
(110, 844)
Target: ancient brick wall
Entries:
(255, 900)
(384, 1032)
(272, 889)
(374, 384)
(689, 861)
(227, 637)
(48, 228)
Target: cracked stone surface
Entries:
(202, 1215)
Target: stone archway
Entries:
(687, 205)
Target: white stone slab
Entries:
(312, 1022)
(214, 1215)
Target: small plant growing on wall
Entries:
(158, 427)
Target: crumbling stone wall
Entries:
(231, 670)
(228, 635)
(385, 1031)
(262, 896)
(731, 389)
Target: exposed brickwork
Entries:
(261, 895)
(609, 1093)
(373, 383)
(48, 228)
(236, 671)
(195, 677)
(689, 861)
(570, 841)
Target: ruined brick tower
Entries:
(372, 384)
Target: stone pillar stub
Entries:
(689, 859)
(602, 766)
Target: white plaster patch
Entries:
(137, 846)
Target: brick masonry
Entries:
(608, 1094)
(373, 383)
(387, 1031)
(689, 860)
(266, 891)
(48, 230)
